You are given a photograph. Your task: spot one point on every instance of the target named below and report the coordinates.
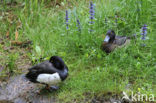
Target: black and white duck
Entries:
(112, 41)
(50, 72)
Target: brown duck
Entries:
(112, 41)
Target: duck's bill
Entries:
(106, 38)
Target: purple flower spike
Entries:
(144, 32)
(78, 25)
(67, 20)
(92, 13)
(78, 22)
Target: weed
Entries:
(11, 63)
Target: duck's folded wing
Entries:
(120, 40)
(45, 67)
(41, 68)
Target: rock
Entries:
(113, 100)
(125, 98)
(20, 90)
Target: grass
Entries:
(91, 71)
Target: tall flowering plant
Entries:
(92, 13)
(144, 32)
(78, 26)
(67, 21)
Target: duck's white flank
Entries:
(51, 79)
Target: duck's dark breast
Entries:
(108, 47)
(63, 74)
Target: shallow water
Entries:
(20, 90)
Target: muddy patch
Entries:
(20, 90)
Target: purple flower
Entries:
(116, 19)
(91, 17)
(78, 25)
(92, 13)
(67, 20)
(78, 22)
(144, 32)
(91, 22)
(143, 38)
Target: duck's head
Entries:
(57, 62)
(110, 36)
